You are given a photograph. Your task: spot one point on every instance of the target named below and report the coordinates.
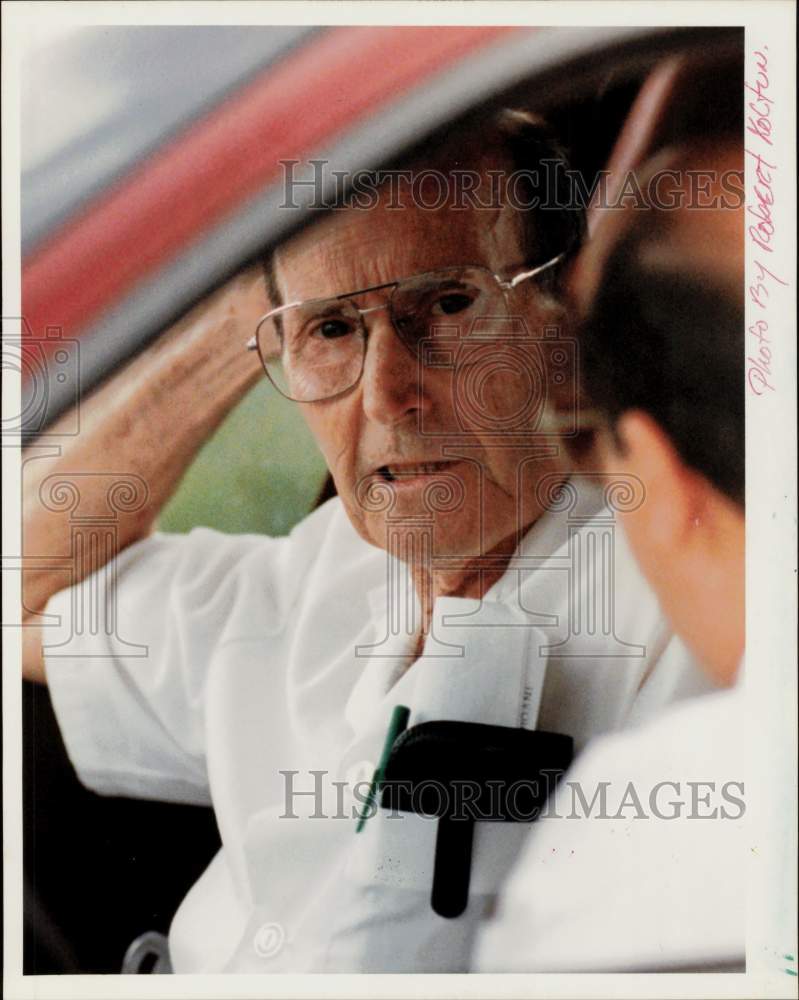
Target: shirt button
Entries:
(269, 940)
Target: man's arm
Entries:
(147, 420)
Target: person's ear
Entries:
(688, 539)
(665, 521)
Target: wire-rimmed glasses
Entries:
(315, 350)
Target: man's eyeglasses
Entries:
(315, 350)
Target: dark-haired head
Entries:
(662, 364)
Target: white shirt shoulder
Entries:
(129, 651)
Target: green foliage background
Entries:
(260, 472)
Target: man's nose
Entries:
(392, 388)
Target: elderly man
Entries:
(449, 581)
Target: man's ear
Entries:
(664, 521)
(688, 539)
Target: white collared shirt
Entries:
(639, 864)
(266, 656)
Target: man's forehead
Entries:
(353, 248)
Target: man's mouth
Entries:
(411, 470)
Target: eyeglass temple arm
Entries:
(524, 275)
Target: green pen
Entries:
(397, 724)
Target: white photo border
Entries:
(771, 681)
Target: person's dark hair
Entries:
(533, 153)
(667, 340)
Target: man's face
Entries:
(403, 432)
